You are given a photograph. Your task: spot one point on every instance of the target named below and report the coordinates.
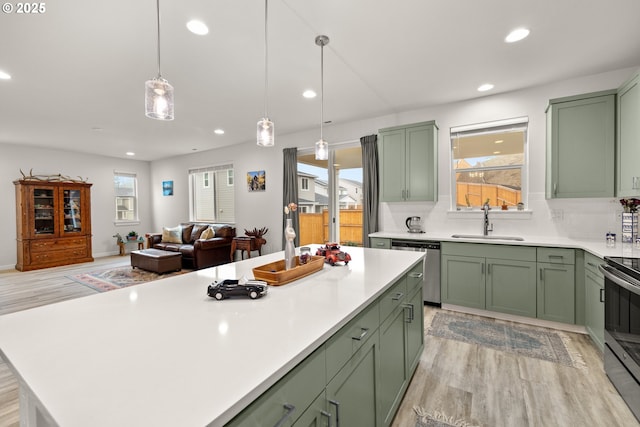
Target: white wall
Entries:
(586, 218)
(98, 170)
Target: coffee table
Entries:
(156, 260)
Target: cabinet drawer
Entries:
(557, 255)
(392, 298)
(516, 253)
(350, 338)
(380, 243)
(57, 244)
(591, 263)
(415, 276)
(289, 397)
(57, 256)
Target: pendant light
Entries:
(265, 132)
(158, 97)
(322, 147)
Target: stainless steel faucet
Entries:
(486, 229)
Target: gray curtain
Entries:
(290, 190)
(369, 186)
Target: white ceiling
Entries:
(78, 70)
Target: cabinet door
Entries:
(556, 292)
(511, 287)
(421, 164)
(392, 363)
(316, 414)
(72, 200)
(352, 393)
(392, 165)
(585, 126)
(594, 307)
(628, 148)
(463, 281)
(43, 201)
(415, 331)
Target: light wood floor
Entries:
(465, 382)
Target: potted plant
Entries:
(132, 235)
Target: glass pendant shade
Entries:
(158, 99)
(265, 133)
(322, 150)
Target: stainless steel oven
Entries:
(622, 327)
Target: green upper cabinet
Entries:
(581, 146)
(409, 162)
(628, 143)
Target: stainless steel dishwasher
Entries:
(431, 276)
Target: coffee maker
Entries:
(413, 224)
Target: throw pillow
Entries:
(197, 231)
(172, 235)
(208, 233)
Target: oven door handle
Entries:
(620, 279)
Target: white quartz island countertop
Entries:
(165, 354)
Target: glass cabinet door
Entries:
(43, 210)
(72, 214)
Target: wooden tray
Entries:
(275, 274)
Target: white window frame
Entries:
(193, 183)
(206, 179)
(304, 184)
(134, 198)
(517, 121)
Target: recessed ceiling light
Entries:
(309, 94)
(197, 27)
(517, 35)
(130, 153)
(4, 76)
(485, 87)
(498, 141)
(496, 152)
(219, 131)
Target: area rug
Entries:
(539, 343)
(437, 419)
(120, 277)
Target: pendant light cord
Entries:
(266, 55)
(158, 18)
(321, 88)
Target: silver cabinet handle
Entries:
(398, 297)
(364, 333)
(415, 275)
(337, 405)
(555, 188)
(602, 295)
(556, 256)
(380, 244)
(541, 274)
(411, 313)
(290, 410)
(328, 415)
(488, 269)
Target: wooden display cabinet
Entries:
(53, 223)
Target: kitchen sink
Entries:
(479, 236)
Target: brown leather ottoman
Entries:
(156, 260)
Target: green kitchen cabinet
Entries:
(401, 344)
(352, 395)
(316, 414)
(628, 138)
(594, 300)
(462, 280)
(556, 285)
(581, 137)
(409, 162)
(492, 277)
(511, 287)
(380, 242)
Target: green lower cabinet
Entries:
(511, 287)
(351, 394)
(392, 363)
(556, 292)
(415, 331)
(594, 307)
(462, 280)
(316, 414)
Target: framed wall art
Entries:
(256, 181)
(167, 188)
